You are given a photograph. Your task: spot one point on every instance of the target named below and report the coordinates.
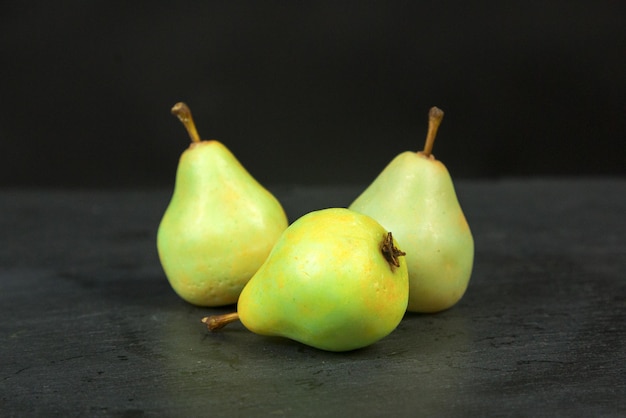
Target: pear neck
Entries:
(203, 142)
(426, 156)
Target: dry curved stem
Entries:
(182, 111)
(215, 322)
(435, 116)
(390, 251)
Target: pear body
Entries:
(415, 198)
(218, 228)
(327, 284)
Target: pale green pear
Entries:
(335, 281)
(219, 226)
(415, 198)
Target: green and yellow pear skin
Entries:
(219, 226)
(414, 197)
(335, 280)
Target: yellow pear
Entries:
(415, 198)
(335, 281)
(219, 226)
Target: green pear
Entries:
(415, 198)
(219, 226)
(334, 281)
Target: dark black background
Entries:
(309, 92)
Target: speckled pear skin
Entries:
(327, 284)
(415, 198)
(218, 228)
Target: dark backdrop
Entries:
(309, 92)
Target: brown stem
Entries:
(182, 111)
(215, 322)
(435, 116)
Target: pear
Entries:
(415, 198)
(334, 281)
(220, 224)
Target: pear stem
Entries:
(215, 322)
(435, 116)
(182, 111)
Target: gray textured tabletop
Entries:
(90, 326)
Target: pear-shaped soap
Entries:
(335, 280)
(414, 197)
(219, 226)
